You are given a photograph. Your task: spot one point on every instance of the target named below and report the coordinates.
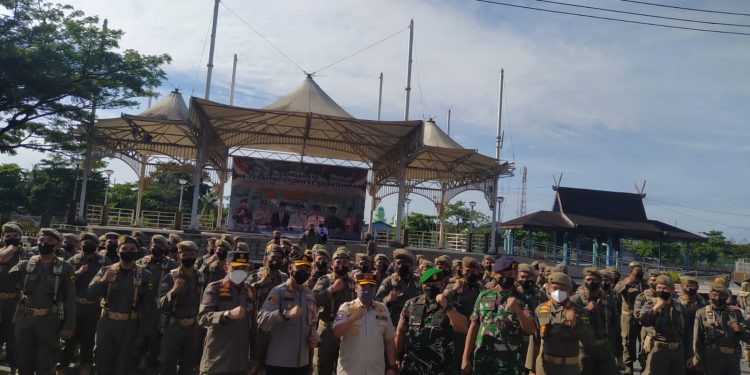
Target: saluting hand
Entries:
(109, 276)
(513, 305)
(236, 313)
(337, 285)
(570, 317)
(294, 312)
(81, 270)
(441, 300)
(357, 312)
(591, 306)
(179, 286)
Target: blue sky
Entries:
(604, 103)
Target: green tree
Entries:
(56, 64)
(715, 246)
(420, 222)
(460, 217)
(11, 181)
(123, 195)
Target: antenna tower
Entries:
(522, 208)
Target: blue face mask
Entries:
(366, 295)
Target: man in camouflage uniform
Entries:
(180, 293)
(443, 263)
(401, 286)
(331, 291)
(717, 334)
(630, 329)
(665, 343)
(47, 306)
(210, 251)
(86, 265)
(457, 268)
(640, 300)
(127, 298)
(597, 358)
(226, 312)
(463, 293)
(381, 267)
(213, 269)
(487, 263)
(499, 321)
(108, 244)
(563, 327)
(71, 245)
(322, 264)
(263, 281)
(424, 336)
(10, 254)
(613, 300)
(527, 286)
(691, 302)
(743, 301)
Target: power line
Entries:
(263, 37)
(685, 8)
(642, 14)
(699, 218)
(361, 50)
(614, 19)
(699, 209)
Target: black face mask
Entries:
(111, 248)
(488, 268)
(719, 302)
(527, 284)
(127, 256)
(432, 292)
(157, 252)
(383, 267)
(342, 270)
(652, 286)
(664, 295)
(46, 249)
(364, 268)
(403, 270)
(222, 255)
(187, 262)
(277, 240)
(506, 282)
(691, 291)
(447, 274)
(69, 249)
(89, 249)
(274, 266)
(639, 275)
(605, 286)
(471, 278)
(12, 242)
(301, 277)
(593, 286)
(321, 266)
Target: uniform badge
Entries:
(289, 306)
(208, 298)
(272, 298)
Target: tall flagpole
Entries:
(211, 50)
(496, 184)
(380, 96)
(402, 166)
(234, 75)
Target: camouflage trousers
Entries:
(488, 361)
(433, 357)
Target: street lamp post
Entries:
(471, 232)
(105, 209)
(407, 201)
(178, 214)
(182, 182)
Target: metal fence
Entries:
(148, 219)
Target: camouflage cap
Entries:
(560, 279)
(88, 236)
(723, 279)
(50, 232)
(404, 254)
(184, 246)
(320, 251)
(524, 267)
(688, 280)
(71, 236)
(110, 236)
(227, 238)
(221, 244)
(456, 263)
(443, 260)
(12, 227)
(427, 264)
(273, 248)
(487, 257)
(593, 271)
(174, 238)
(635, 264)
(378, 257)
(362, 256)
(243, 247)
(126, 239)
(137, 233)
(158, 239)
(653, 273)
(342, 253)
(720, 288)
(470, 262)
(560, 268)
(535, 264)
(665, 280)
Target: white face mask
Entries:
(237, 277)
(559, 296)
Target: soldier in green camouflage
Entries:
(424, 337)
(498, 324)
(463, 291)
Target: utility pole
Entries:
(234, 75)
(211, 50)
(496, 184)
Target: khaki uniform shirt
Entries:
(366, 337)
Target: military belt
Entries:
(185, 322)
(667, 345)
(120, 316)
(84, 301)
(727, 350)
(37, 312)
(601, 342)
(556, 360)
(8, 295)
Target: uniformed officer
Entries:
(541, 277)
(463, 293)
(322, 264)
(443, 263)
(563, 328)
(363, 263)
(381, 267)
(210, 251)
(263, 281)
(172, 242)
(401, 286)
(487, 263)
(213, 269)
(47, 307)
(597, 358)
(141, 238)
(457, 268)
(289, 315)
(499, 321)
(180, 293)
(424, 336)
(717, 334)
(331, 291)
(527, 286)
(10, 254)
(158, 265)
(108, 244)
(630, 329)
(71, 245)
(691, 302)
(226, 312)
(86, 264)
(613, 300)
(365, 328)
(743, 301)
(126, 293)
(640, 300)
(664, 342)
